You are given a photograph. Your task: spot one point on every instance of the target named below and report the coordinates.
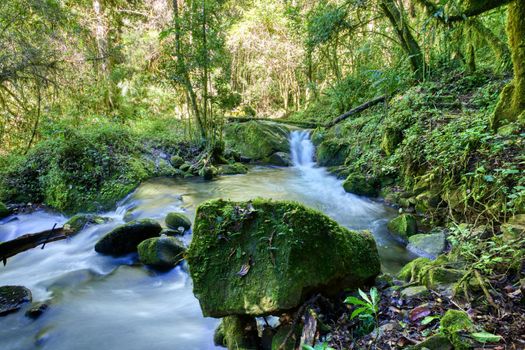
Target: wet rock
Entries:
(124, 239)
(435, 342)
(161, 252)
(332, 152)
(414, 292)
(233, 169)
(262, 257)
(208, 172)
(403, 226)
(3, 211)
(256, 140)
(78, 222)
(361, 185)
(177, 220)
(429, 245)
(12, 298)
(454, 325)
(280, 159)
(36, 310)
(169, 232)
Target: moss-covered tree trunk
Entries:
(511, 106)
(407, 40)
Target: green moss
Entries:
(404, 226)
(435, 342)
(239, 333)
(410, 271)
(175, 220)
(391, 138)
(125, 238)
(361, 185)
(256, 140)
(3, 210)
(176, 161)
(161, 252)
(332, 152)
(280, 246)
(453, 324)
(233, 168)
(79, 221)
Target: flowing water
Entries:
(99, 302)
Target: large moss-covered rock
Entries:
(255, 139)
(124, 239)
(12, 298)
(430, 245)
(361, 185)
(332, 152)
(176, 220)
(280, 159)
(3, 210)
(404, 226)
(161, 252)
(263, 257)
(78, 222)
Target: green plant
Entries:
(323, 346)
(367, 309)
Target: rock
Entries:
(437, 276)
(161, 252)
(208, 172)
(233, 169)
(332, 152)
(414, 292)
(78, 222)
(237, 333)
(404, 226)
(176, 161)
(170, 233)
(454, 324)
(281, 334)
(429, 245)
(36, 310)
(263, 257)
(4, 211)
(361, 185)
(218, 336)
(12, 298)
(411, 271)
(390, 139)
(176, 220)
(280, 159)
(435, 342)
(255, 139)
(125, 238)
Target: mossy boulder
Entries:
(332, 152)
(435, 342)
(280, 159)
(170, 232)
(176, 161)
(125, 238)
(361, 185)
(390, 139)
(410, 272)
(12, 298)
(237, 333)
(3, 211)
(208, 172)
(455, 325)
(404, 226)
(433, 274)
(256, 140)
(161, 252)
(233, 169)
(264, 257)
(176, 220)
(429, 245)
(78, 222)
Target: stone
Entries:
(414, 292)
(361, 185)
(280, 159)
(411, 271)
(437, 276)
(12, 298)
(238, 333)
(403, 226)
(36, 310)
(233, 169)
(435, 342)
(255, 139)
(454, 324)
(78, 222)
(332, 152)
(4, 211)
(390, 139)
(176, 161)
(161, 252)
(125, 238)
(175, 221)
(429, 245)
(170, 232)
(264, 257)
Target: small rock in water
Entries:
(36, 310)
(161, 252)
(176, 220)
(12, 298)
(125, 238)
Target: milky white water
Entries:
(98, 302)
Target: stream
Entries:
(99, 302)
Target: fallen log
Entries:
(356, 110)
(32, 240)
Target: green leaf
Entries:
(488, 178)
(374, 295)
(357, 312)
(429, 319)
(364, 296)
(308, 347)
(485, 337)
(355, 301)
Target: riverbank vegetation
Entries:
(98, 96)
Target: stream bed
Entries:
(99, 302)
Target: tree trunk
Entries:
(511, 106)
(408, 42)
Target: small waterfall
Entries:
(302, 149)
